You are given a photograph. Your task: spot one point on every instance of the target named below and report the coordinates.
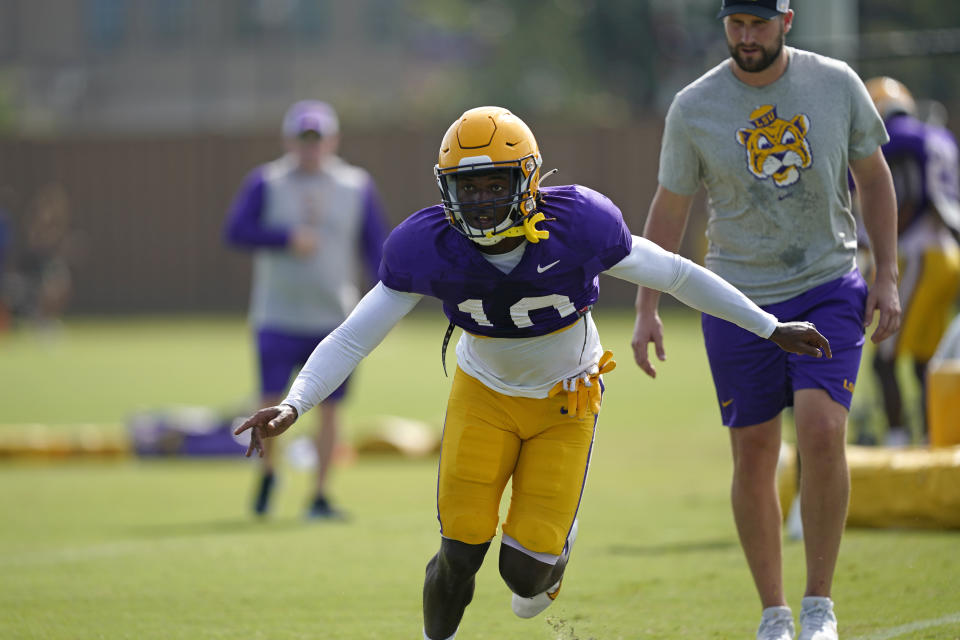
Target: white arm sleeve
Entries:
(340, 352)
(649, 265)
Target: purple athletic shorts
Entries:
(282, 354)
(755, 379)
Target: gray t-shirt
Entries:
(307, 295)
(774, 162)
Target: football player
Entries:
(925, 164)
(516, 267)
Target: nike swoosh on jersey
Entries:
(542, 269)
(727, 403)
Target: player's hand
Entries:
(303, 242)
(883, 298)
(648, 328)
(268, 422)
(802, 338)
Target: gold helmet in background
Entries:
(890, 96)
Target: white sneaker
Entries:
(776, 624)
(530, 607)
(817, 620)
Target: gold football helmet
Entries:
(488, 139)
(890, 96)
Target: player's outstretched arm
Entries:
(802, 338)
(651, 266)
(268, 422)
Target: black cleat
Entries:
(321, 509)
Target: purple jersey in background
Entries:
(554, 282)
(924, 162)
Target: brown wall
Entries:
(149, 210)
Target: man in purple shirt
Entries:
(309, 218)
(516, 267)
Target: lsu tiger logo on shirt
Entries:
(776, 148)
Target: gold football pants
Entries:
(489, 437)
(928, 289)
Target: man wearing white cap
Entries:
(770, 133)
(309, 218)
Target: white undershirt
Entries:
(526, 367)
(506, 261)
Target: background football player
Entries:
(308, 217)
(925, 165)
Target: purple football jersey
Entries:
(923, 159)
(555, 281)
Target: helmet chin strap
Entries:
(487, 240)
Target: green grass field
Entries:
(166, 548)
